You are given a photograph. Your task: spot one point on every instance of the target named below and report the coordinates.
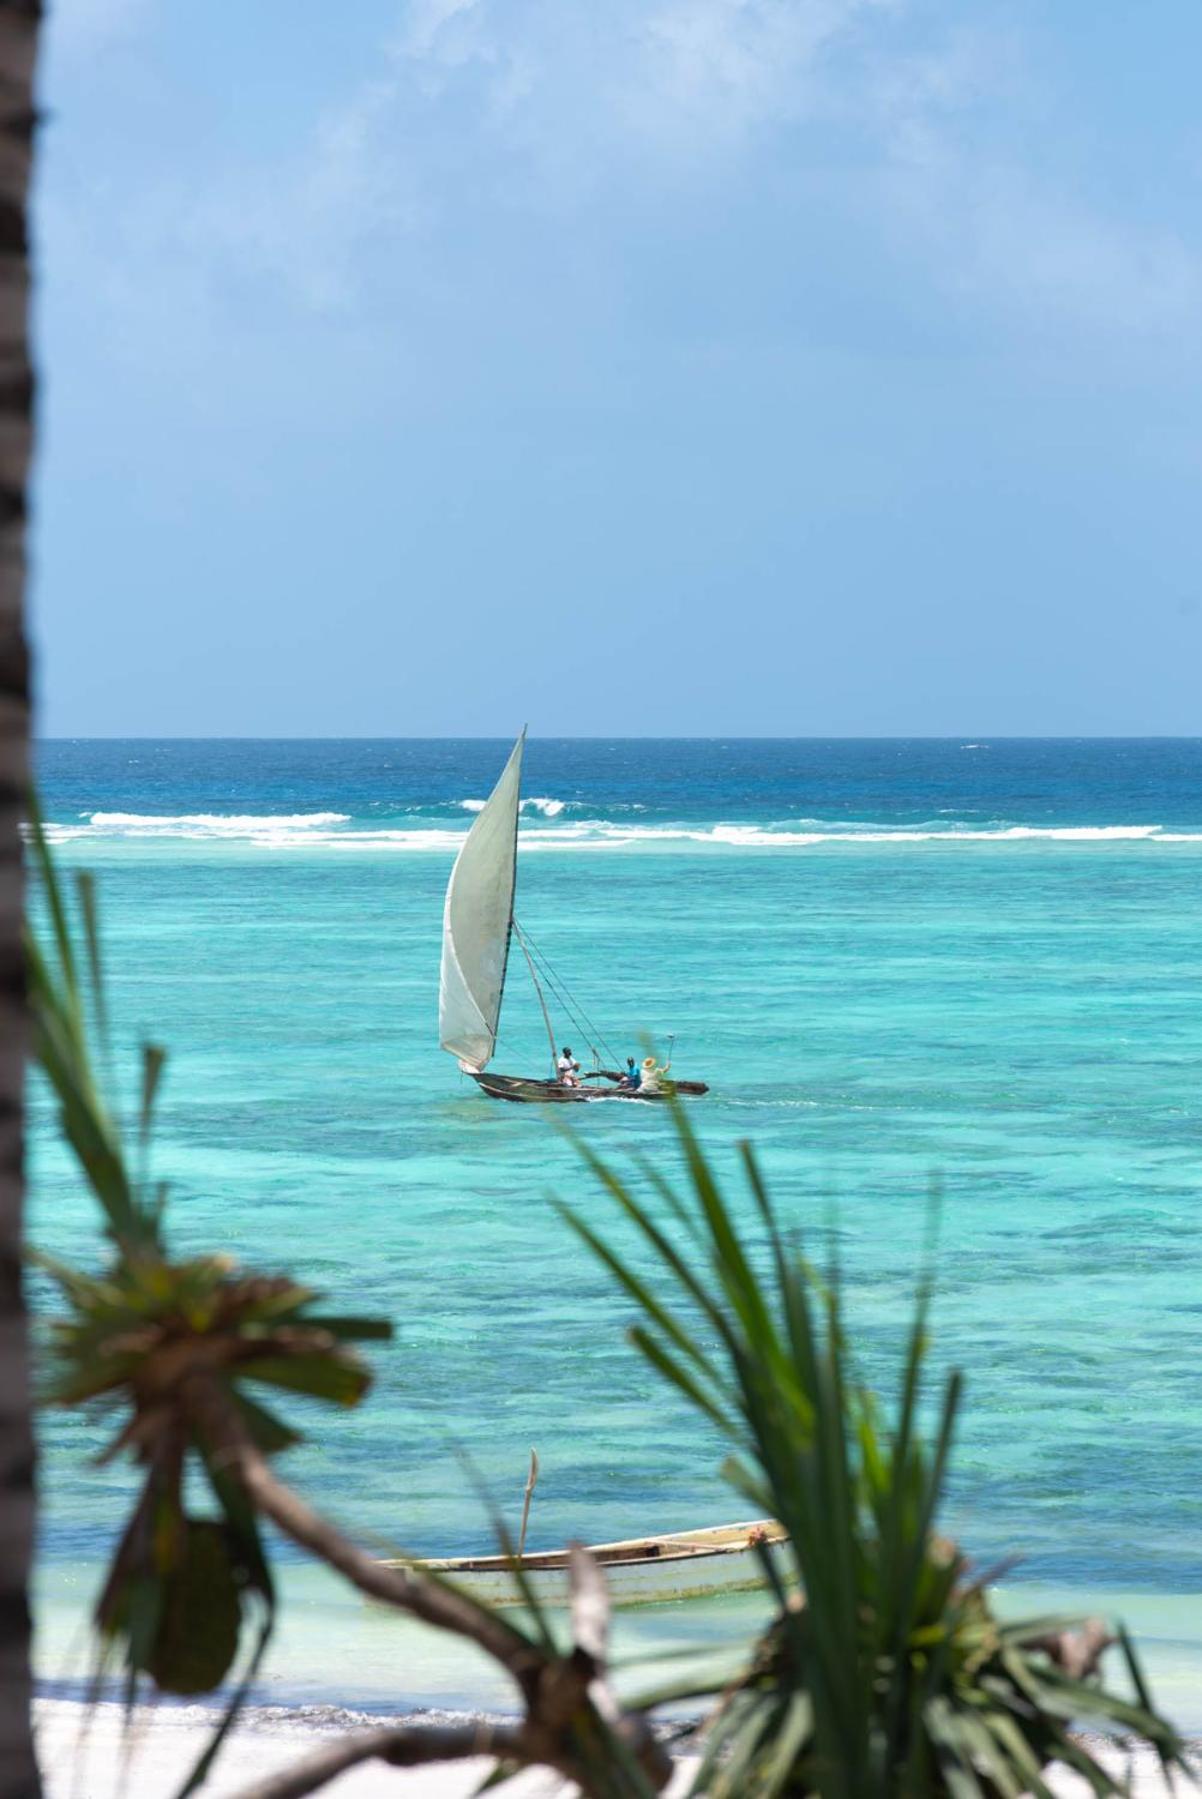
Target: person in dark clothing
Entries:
(632, 1078)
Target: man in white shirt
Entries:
(568, 1069)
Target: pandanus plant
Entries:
(181, 1349)
(885, 1670)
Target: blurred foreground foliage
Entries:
(140, 1337)
(894, 1675)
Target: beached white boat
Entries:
(478, 924)
(686, 1564)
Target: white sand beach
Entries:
(336, 1645)
(86, 1758)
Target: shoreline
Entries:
(339, 1665)
(333, 1649)
(82, 1755)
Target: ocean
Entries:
(971, 966)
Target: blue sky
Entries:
(703, 366)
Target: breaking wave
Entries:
(548, 808)
(550, 830)
(200, 825)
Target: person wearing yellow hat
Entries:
(652, 1074)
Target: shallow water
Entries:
(895, 963)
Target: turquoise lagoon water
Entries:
(979, 964)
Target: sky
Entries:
(699, 367)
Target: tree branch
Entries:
(403, 1746)
(569, 1707)
(1077, 1652)
(438, 1605)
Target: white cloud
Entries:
(701, 71)
(1000, 224)
(86, 26)
(913, 99)
(538, 105)
(423, 29)
(735, 63)
(1059, 260)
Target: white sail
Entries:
(477, 921)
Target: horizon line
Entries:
(622, 737)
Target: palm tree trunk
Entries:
(19, 23)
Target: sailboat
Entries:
(477, 929)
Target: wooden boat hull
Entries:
(528, 1091)
(690, 1564)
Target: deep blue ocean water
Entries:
(977, 964)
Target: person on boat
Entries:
(651, 1076)
(568, 1069)
(632, 1078)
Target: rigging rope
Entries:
(576, 1015)
(575, 1011)
(512, 1047)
